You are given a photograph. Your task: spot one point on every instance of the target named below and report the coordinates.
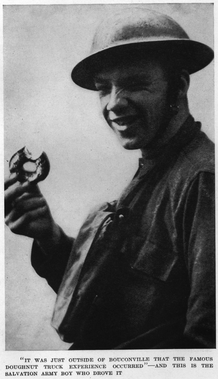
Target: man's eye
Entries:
(137, 86)
(102, 89)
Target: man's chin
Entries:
(130, 145)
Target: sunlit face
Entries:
(134, 101)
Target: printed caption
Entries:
(103, 366)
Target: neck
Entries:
(172, 128)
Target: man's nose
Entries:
(118, 99)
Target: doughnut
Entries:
(27, 168)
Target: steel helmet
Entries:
(139, 31)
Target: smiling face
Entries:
(134, 101)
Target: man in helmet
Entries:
(140, 273)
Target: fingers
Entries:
(13, 192)
(26, 210)
(13, 178)
(27, 199)
(24, 205)
(29, 223)
(10, 180)
(16, 190)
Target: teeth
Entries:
(124, 120)
(120, 122)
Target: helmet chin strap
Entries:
(171, 111)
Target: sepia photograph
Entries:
(109, 177)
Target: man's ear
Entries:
(183, 84)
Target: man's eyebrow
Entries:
(130, 78)
(100, 79)
(136, 77)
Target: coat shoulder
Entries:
(197, 157)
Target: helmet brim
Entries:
(187, 54)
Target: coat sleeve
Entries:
(52, 266)
(199, 243)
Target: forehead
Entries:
(145, 69)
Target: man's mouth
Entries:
(124, 122)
